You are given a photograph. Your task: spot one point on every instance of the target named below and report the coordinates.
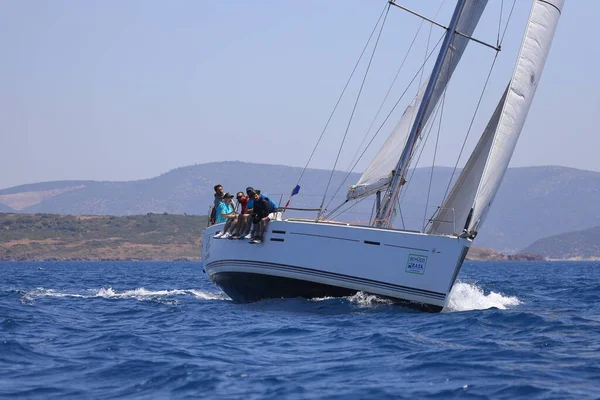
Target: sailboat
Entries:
(319, 258)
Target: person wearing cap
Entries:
(226, 213)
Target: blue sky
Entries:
(128, 90)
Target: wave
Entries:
(463, 297)
(108, 292)
(467, 297)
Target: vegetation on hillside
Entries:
(166, 237)
(532, 203)
(579, 245)
(63, 237)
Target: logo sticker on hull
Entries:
(416, 264)
(206, 246)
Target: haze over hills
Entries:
(5, 209)
(571, 245)
(533, 202)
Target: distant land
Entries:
(25, 237)
(533, 202)
(156, 237)
(577, 245)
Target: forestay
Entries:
(453, 213)
(377, 175)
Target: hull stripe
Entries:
(331, 275)
(326, 237)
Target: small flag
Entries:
(294, 192)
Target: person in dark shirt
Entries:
(263, 212)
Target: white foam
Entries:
(204, 295)
(138, 294)
(367, 300)
(360, 298)
(466, 296)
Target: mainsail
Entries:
(378, 174)
(534, 50)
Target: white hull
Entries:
(308, 259)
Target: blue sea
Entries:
(137, 330)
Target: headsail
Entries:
(530, 63)
(452, 215)
(377, 175)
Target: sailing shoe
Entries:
(226, 236)
(248, 236)
(218, 235)
(253, 241)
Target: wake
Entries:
(466, 297)
(108, 292)
(463, 297)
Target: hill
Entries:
(25, 237)
(5, 209)
(532, 203)
(576, 245)
(67, 237)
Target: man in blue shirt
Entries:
(263, 211)
(225, 213)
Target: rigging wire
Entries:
(372, 211)
(343, 92)
(391, 212)
(354, 109)
(437, 141)
(501, 39)
(401, 216)
(508, 20)
(470, 127)
(385, 120)
(387, 94)
(395, 78)
(478, 104)
(424, 141)
(349, 208)
(500, 23)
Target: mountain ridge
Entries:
(576, 245)
(532, 203)
(156, 237)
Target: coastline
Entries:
(149, 237)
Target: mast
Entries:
(389, 201)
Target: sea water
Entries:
(138, 330)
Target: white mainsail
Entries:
(541, 26)
(378, 174)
